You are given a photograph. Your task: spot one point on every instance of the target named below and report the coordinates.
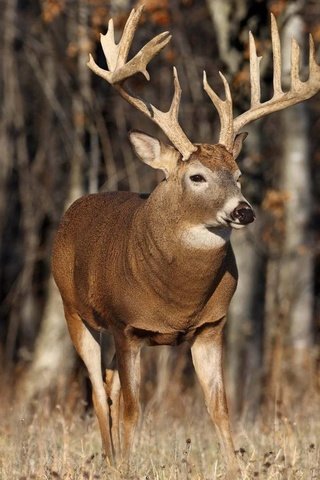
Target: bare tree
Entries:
(296, 278)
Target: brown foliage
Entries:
(51, 9)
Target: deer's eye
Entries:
(197, 178)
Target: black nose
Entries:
(244, 213)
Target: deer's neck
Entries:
(178, 259)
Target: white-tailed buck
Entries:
(160, 270)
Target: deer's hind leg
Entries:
(90, 352)
(113, 389)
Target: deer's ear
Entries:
(237, 144)
(153, 152)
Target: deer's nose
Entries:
(243, 213)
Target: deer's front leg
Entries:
(128, 357)
(207, 360)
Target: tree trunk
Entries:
(297, 272)
(289, 312)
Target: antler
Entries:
(119, 70)
(298, 92)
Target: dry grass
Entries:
(176, 442)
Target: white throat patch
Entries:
(200, 236)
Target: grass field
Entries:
(176, 441)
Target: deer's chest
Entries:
(170, 319)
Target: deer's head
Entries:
(206, 187)
(205, 176)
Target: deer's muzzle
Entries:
(243, 214)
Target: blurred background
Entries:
(64, 133)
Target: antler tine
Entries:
(299, 91)
(276, 54)
(175, 104)
(254, 72)
(167, 121)
(224, 108)
(120, 70)
(128, 34)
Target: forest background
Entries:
(64, 133)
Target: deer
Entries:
(160, 269)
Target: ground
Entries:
(176, 441)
